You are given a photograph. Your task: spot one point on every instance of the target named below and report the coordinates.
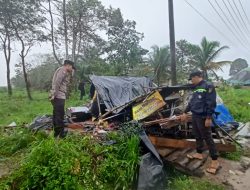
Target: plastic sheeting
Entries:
(117, 91)
(244, 131)
(241, 78)
(151, 172)
(41, 122)
(224, 117)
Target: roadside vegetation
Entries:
(76, 162)
(179, 181)
(237, 100)
(21, 110)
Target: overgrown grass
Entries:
(236, 156)
(16, 139)
(76, 162)
(187, 183)
(180, 181)
(237, 101)
(21, 110)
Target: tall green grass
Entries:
(237, 101)
(22, 111)
(76, 162)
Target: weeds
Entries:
(77, 162)
(236, 156)
(179, 181)
(16, 140)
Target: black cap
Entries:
(195, 73)
(68, 62)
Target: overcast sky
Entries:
(151, 17)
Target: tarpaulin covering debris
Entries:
(117, 91)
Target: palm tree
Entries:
(207, 53)
(159, 59)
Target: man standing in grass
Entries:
(58, 92)
(202, 106)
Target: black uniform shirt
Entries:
(203, 101)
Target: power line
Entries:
(239, 37)
(244, 12)
(210, 23)
(245, 25)
(237, 17)
(235, 35)
(213, 26)
(234, 20)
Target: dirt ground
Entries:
(234, 175)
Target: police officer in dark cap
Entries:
(202, 106)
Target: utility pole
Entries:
(172, 41)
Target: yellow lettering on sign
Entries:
(144, 109)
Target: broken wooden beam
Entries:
(183, 143)
(165, 121)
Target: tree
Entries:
(50, 4)
(27, 22)
(206, 55)
(123, 48)
(40, 75)
(159, 58)
(79, 26)
(6, 36)
(186, 54)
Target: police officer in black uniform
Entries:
(202, 106)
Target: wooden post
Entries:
(172, 42)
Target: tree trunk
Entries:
(27, 84)
(52, 33)
(22, 55)
(79, 46)
(205, 74)
(8, 81)
(7, 55)
(74, 47)
(65, 30)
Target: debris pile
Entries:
(117, 100)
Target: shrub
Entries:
(16, 140)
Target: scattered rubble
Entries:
(158, 110)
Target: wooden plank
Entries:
(176, 155)
(164, 151)
(175, 143)
(181, 162)
(195, 163)
(221, 137)
(184, 160)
